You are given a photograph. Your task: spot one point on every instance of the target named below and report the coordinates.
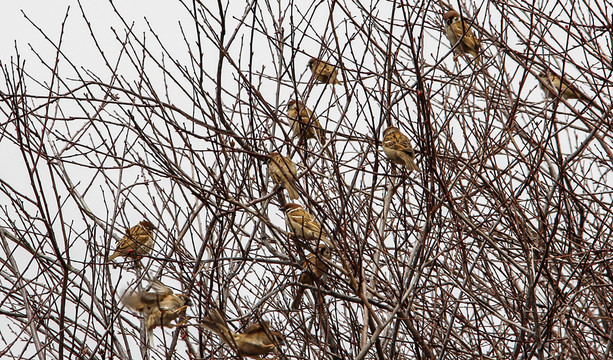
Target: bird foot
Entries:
(179, 310)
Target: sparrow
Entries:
(315, 267)
(283, 173)
(303, 122)
(455, 27)
(568, 91)
(160, 306)
(256, 341)
(398, 149)
(302, 223)
(137, 242)
(323, 72)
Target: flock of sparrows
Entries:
(161, 306)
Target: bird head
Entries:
(312, 62)
(390, 130)
(289, 207)
(450, 16)
(187, 300)
(147, 225)
(295, 104)
(272, 156)
(324, 250)
(543, 75)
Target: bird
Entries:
(160, 306)
(315, 267)
(398, 149)
(323, 72)
(567, 90)
(304, 123)
(455, 27)
(283, 173)
(256, 341)
(302, 223)
(137, 242)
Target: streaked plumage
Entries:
(302, 223)
(137, 242)
(314, 268)
(303, 122)
(455, 27)
(256, 341)
(398, 149)
(283, 172)
(567, 91)
(323, 72)
(160, 306)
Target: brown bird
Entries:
(315, 267)
(256, 341)
(398, 149)
(323, 72)
(283, 173)
(567, 90)
(455, 27)
(302, 223)
(137, 242)
(304, 123)
(160, 307)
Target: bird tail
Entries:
(576, 94)
(113, 256)
(217, 324)
(410, 164)
(291, 190)
(133, 301)
(298, 298)
(477, 58)
(149, 338)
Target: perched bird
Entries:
(160, 307)
(302, 223)
(567, 90)
(283, 172)
(315, 267)
(256, 341)
(398, 149)
(137, 242)
(323, 72)
(455, 27)
(304, 123)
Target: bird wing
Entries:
(126, 243)
(134, 301)
(324, 69)
(569, 89)
(398, 141)
(257, 327)
(160, 288)
(171, 303)
(217, 324)
(310, 224)
(136, 237)
(470, 40)
(286, 167)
